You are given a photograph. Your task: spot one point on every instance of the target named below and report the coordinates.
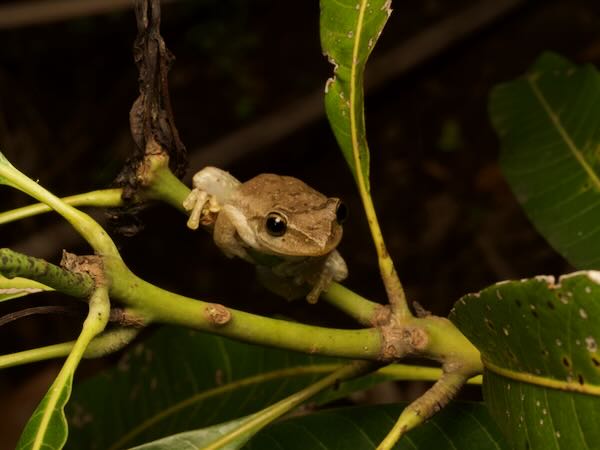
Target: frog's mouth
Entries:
(300, 245)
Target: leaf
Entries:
(550, 136)
(19, 287)
(539, 344)
(179, 380)
(463, 426)
(228, 436)
(460, 426)
(349, 31)
(198, 438)
(47, 427)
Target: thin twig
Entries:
(54, 309)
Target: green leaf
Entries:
(18, 287)
(539, 344)
(550, 135)
(244, 429)
(179, 380)
(349, 31)
(463, 426)
(199, 438)
(233, 435)
(460, 426)
(47, 427)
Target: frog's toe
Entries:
(190, 200)
(195, 202)
(313, 296)
(320, 286)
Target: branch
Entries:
(13, 264)
(101, 198)
(87, 227)
(424, 407)
(364, 311)
(159, 305)
(106, 343)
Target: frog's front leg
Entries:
(195, 202)
(212, 188)
(233, 234)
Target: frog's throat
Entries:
(266, 259)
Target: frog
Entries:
(287, 229)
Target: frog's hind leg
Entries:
(334, 269)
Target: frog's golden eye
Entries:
(341, 213)
(276, 224)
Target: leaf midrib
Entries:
(538, 380)
(555, 120)
(353, 92)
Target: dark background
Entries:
(450, 221)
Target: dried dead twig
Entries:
(151, 116)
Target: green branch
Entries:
(445, 343)
(364, 311)
(108, 342)
(87, 227)
(13, 264)
(102, 198)
(163, 306)
(424, 407)
(159, 183)
(385, 342)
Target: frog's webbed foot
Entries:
(212, 188)
(194, 202)
(334, 269)
(203, 207)
(321, 285)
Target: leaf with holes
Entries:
(18, 287)
(549, 128)
(539, 343)
(349, 31)
(179, 380)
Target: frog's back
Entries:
(277, 191)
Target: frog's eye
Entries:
(341, 213)
(276, 224)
